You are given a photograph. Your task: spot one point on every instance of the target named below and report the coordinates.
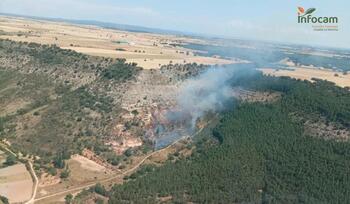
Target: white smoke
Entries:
(209, 92)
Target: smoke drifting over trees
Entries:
(209, 92)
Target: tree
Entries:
(68, 198)
(100, 189)
(135, 112)
(52, 171)
(4, 200)
(264, 154)
(59, 162)
(2, 123)
(10, 160)
(65, 173)
(128, 152)
(99, 201)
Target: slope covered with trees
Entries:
(264, 155)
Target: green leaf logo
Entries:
(309, 11)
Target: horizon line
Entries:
(163, 31)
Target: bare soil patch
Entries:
(16, 183)
(87, 164)
(13, 106)
(255, 96)
(327, 130)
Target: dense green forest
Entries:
(263, 155)
(307, 98)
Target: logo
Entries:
(319, 23)
(301, 11)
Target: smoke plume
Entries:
(208, 92)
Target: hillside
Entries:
(52, 103)
(264, 155)
(65, 112)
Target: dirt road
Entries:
(36, 181)
(31, 170)
(110, 178)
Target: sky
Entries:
(269, 20)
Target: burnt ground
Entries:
(327, 130)
(145, 100)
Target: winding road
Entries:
(32, 173)
(36, 182)
(110, 178)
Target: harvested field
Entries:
(92, 170)
(82, 171)
(147, 49)
(307, 73)
(16, 183)
(87, 164)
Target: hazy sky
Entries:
(273, 20)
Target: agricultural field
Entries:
(146, 49)
(16, 183)
(310, 73)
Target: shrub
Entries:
(10, 160)
(68, 199)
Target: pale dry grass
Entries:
(82, 172)
(307, 73)
(16, 183)
(87, 164)
(146, 49)
(48, 180)
(13, 106)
